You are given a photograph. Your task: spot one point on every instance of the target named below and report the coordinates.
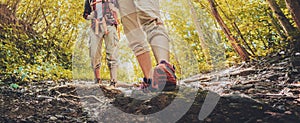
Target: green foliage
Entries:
(14, 86)
(48, 39)
(44, 52)
(28, 60)
(194, 53)
(254, 22)
(184, 39)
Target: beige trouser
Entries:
(140, 17)
(111, 47)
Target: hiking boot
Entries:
(164, 77)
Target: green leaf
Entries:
(20, 69)
(23, 76)
(15, 86)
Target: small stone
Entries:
(251, 90)
(208, 120)
(259, 120)
(53, 118)
(281, 78)
(59, 116)
(282, 53)
(141, 119)
(288, 112)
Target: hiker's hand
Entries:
(91, 16)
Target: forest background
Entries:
(48, 39)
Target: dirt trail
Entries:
(256, 92)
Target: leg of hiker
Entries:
(135, 14)
(95, 11)
(148, 14)
(95, 54)
(136, 37)
(164, 72)
(111, 47)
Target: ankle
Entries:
(147, 80)
(98, 81)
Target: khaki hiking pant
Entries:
(111, 47)
(142, 22)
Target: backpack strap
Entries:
(111, 14)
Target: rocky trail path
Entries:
(251, 92)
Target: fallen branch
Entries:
(241, 87)
(201, 79)
(244, 72)
(250, 82)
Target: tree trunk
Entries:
(287, 26)
(234, 42)
(277, 26)
(242, 37)
(204, 47)
(234, 25)
(291, 32)
(9, 20)
(294, 8)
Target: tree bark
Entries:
(234, 41)
(294, 8)
(277, 26)
(8, 19)
(287, 26)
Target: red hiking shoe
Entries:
(164, 77)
